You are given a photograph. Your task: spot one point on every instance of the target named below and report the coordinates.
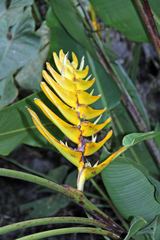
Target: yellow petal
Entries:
(82, 84)
(70, 114)
(89, 129)
(61, 68)
(75, 60)
(58, 63)
(67, 96)
(91, 171)
(64, 82)
(86, 98)
(63, 57)
(77, 84)
(73, 133)
(73, 156)
(88, 112)
(81, 73)
(92, 147)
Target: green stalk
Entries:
(75, 195)
(68, 231)
(51, 220)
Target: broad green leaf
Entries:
(123, 15)
(133, 66)
(104, 85)
(8, 91)
(49, 206)
(19, 45)
(129, 86)
(69, 18)
(17, 126)
(136, 224)
(30, 75)
(56, 174)
(14, 11)
(71, 179)
(130, 190)
(46, 207)
(134, 138)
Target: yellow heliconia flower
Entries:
(72, 101)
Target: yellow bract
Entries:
(72, 101)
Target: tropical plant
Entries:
(129, 180)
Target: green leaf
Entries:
(130, 190)
(8, 91)
(112, 55)
(58, 174)
(69, 18)
(19, 45)
(14, 11)
(129, 86)
(30, 75)
(122, 125)
(46, 207)
(123, 15)
(133, 66)
(152, 229)
(136, 224)
(17, 126)
(71, 179)
(157, 139)
(49, 206)
(134, 138)
(104, 85)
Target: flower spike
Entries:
(72, 101)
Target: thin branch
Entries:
(50, 220)
(69, 231)
(146, 14)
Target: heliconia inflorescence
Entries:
(70, 86)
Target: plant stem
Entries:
(75, 195)
(69, 230)
(126, 98)
(51, 220)
(148, 20)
